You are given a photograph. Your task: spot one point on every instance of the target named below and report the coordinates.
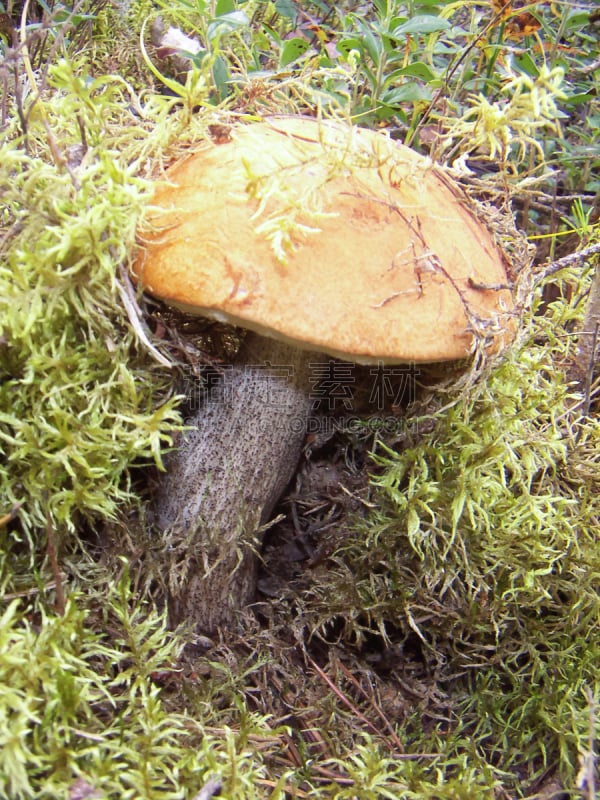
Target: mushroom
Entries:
(318, 238)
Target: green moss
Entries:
(484, 551)
(478, 562)
(79, 402)
(81, 700)
(82, 403)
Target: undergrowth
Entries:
(477, 564)
(83, 712)
(483, 556)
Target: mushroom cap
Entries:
(331, 237)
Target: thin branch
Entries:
(361, 716)
(373, 705)
(210, 789)
(4, 520)
(570, 260)
(132, 308)
(343, 697)
(53, 559)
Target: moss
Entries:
(79, 402)
(476, 567)
(483, 554)
(82, 707)
(86, 702)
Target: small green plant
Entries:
(473, 569)
(82, 708)
(483, 554)
(528, 106)
(75, 406)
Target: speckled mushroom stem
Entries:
(222, 483)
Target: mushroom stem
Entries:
(222, 483)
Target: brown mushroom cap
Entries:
(330, 237)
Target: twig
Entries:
(589, 373)
(570, 260)
(135, 317)
(343, 697)
(361, 716)
(373, 704)
(589, 68)
(210, 789)
(29, 592)
(584, 362)
(26, 59)
(52, 558)
(11, 515)
(586, 780)
(444, 88)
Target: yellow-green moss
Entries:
(78, 401)
(478, 561)
(482, 551)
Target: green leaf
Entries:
(287, 8)
(226, 24)
(372, 43)
(418, 70)
(422, 23)
(526, 63)
(221, 74)
(345, 45)
(224, 7)
(408, 93)
(292, 49)
(580, 99)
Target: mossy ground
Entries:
(443, 644)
